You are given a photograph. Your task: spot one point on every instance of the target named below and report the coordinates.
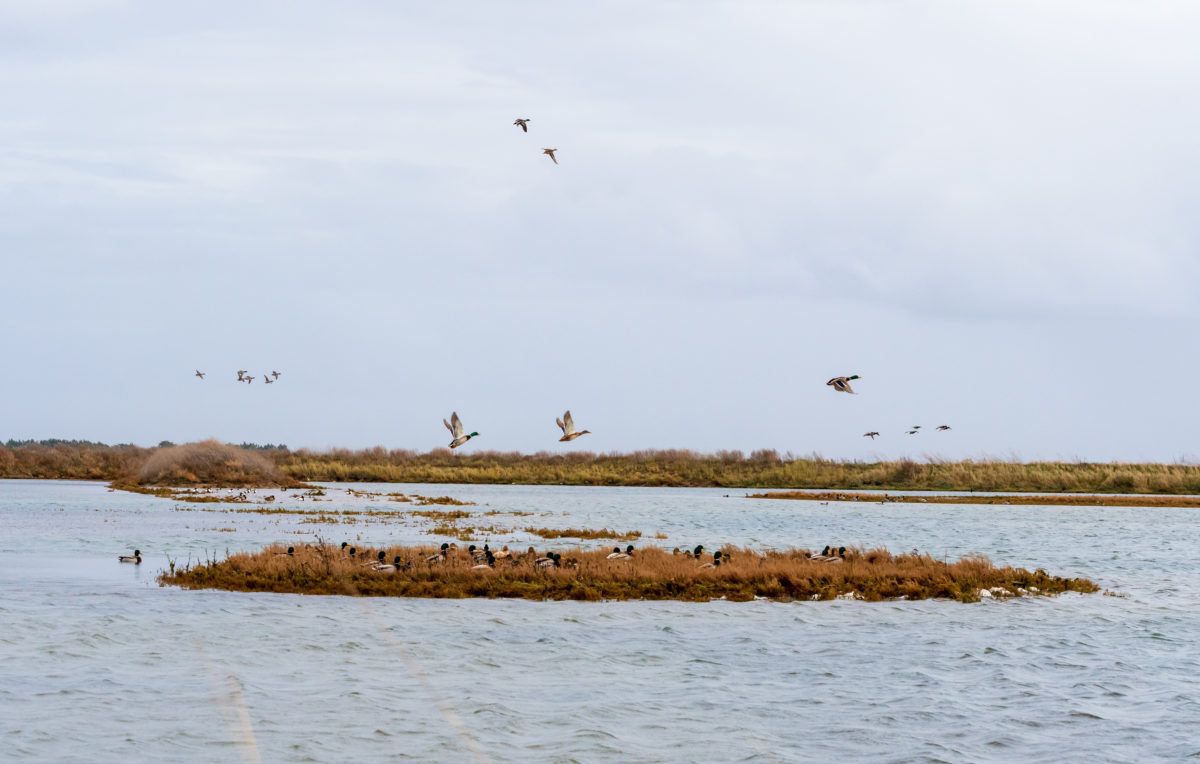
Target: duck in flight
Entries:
(275, 374)
(523, 123)
(135, 558)
(872, 435)
(455, 427)
(567, 425)
(267, 379)
(199, 374)
(842, 384)
(241, 375)
(550, 153)
(248, 379)
(913, 432)
(943, 427)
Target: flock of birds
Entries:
(269, 378)
(842, 385)
(523, 123)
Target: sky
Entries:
(987, 210)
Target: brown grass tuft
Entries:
(210, 462)
(652, 574)
(584, 533)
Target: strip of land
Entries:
(215, 464)
(649, 574)
(1008, 499)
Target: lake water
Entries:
(99, 663)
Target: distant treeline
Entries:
(729, 469)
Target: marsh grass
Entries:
(584, 533)
(652, 574)
(730, 469)
(1022, 500)
(210, 462)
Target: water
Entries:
(98, 663)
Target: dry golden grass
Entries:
(1024, 500)
(731, 469)
(584, 533)
(652, 574)
(210, 462)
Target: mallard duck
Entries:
(617, 554)
(567, 425)
(489, 561)
(383, 567)
(842, 384)
(455, 427)
(291, 552)
(549, 561)
(248, 379)
(550, 153)
(440, 556)
(199, 374)
(716, 561)
(872, 435)
(943, 427)
(135, 558)
(824, 555)
(913, 432)
(267, 379)
(275, 374)
(523, 123)
(241, 375)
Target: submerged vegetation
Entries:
(1083, 500)
(198, 463)
(649, 574)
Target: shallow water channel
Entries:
(98, 662)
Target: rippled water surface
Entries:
(97, 662)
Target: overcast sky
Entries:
(989, 211)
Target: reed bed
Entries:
(1010, 499)
(729, 469)
(651, 574)
(584, 533)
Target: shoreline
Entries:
(1008, 499)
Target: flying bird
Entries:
(550, 153)
(199, 374)
(943, 427)
(275, 374)
(248, 379)
(916, 426)
(267, 379)
(912, 432)
(241, 375)
(842, 384)
(567, 425)
(455, 427)
(872, 435)
(523, 123)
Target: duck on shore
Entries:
(433, 559)
(135, 558)
(715, 563)
(617, 554)
(383, 567)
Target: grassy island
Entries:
(650, 574)
(1084, 500)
